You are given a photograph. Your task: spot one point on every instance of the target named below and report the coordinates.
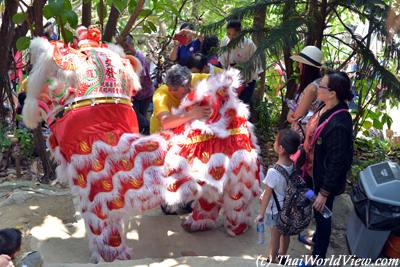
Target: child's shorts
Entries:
(270, 219)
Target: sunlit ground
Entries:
(152, 235)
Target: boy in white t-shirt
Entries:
(286, 143)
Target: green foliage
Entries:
(375, 119)
(268, 110)
(19, 18)
(25, 140)
(62, 11)
(23, 43)
(5, 143)
(120, 5)
(369, 151)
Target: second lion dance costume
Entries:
(115, 173)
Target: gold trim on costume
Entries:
(206, 137)
(96, 101)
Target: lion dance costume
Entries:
(84, 97)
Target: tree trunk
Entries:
(38, 6)
(132, 19)
(111, 25)
(6, 37)
(35, 15)
(258, 36)
(48, 166)
(289, 8)
(316, 22)
(86, 13)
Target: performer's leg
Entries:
(205, 212)
(237, 211)
(107, 240)
(237, 221)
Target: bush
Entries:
(370, 151)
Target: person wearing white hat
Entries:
(306, 102)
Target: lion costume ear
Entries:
(136, 65)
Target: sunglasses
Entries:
(324, 87)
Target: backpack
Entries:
(295, 215)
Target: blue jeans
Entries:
(247, 93)
(323, 231)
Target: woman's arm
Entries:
(310, 94)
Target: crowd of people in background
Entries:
(320, 99)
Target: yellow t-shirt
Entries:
(163, 101)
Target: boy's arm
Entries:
(266, 196)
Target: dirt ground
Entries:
(49, 224)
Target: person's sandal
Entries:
(304, 240)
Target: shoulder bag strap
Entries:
(285, 174)
(319, 129)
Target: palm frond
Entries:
(275, 39)
(239, 13)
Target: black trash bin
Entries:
(376, 200)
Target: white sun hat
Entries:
(310, 55)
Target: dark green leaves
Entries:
(69, 35)
(120, 5)
(23, 43)
(152, 26)
(19, 18)
(72, 18)
(56, 7)
(131, 6)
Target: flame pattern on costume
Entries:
(114, 172)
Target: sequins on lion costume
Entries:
(115, 173)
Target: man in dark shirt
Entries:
(142, 99)
(186, 45)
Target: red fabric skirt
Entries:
(79, 128)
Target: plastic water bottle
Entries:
(261, 232)
(326, 212)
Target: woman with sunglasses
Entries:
(329, 157)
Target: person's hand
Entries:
(176, 43)
(187, 32)
(319, 202)
(5, 261)
(290, 117)
(259, 218)
(200, 112)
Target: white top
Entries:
(239, 55)
(211, 67)
(276, 181)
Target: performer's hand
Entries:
(200, 112)
(319, 202)
(259, 218)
